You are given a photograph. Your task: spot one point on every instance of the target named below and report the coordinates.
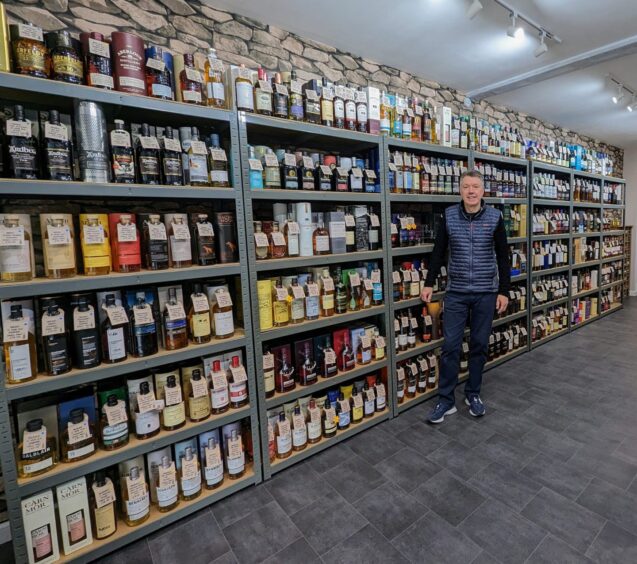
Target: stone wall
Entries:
(186, 26)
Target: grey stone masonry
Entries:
(185, 26)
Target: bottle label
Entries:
(20, 359)
(138, 508)
(41, 537)
(113, 434)
(284, 442)
(14, 258)
(219, 397)
(224, 323)
(243, 91)
(147, 422)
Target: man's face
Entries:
(471, 190)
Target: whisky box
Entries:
(87, 403)
(230, 77)
(101, 300)
(355, 334)
(282, 353)
(299, 353)
(40, 530)
(336, 228)
(444, 123)
(225, 237)
(73, 515)
(340, 337)
(373, 110)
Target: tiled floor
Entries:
(548, 476)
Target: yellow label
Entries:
(328, 301)
(174, 414)
(264, 296)
(357, 413)
(281, 314)
(199, 407)
(105, 521)
(200, 324)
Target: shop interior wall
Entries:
(630, 173)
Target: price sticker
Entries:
(298, 292)
(218, 154)
(270, 160)
(136, 488)
(83, 320)
(379, 342)
(265, 86)
(189, 469)
(34, 441)
(255, 164)
(79, 432)
(18, 128)
(12, 236)
(278, 238)
(219, 381)
(200, 303)
(354, 279)
(156, 231)
(172, 145)
(172, 396)
(268, 361)
(115, 414)
(313, 290)
(180, 231)
(156, 64)
(366, 342)
(428, 320)
(58, 235)
(330, 357)
(396, 277)
(104, 495)
(98, 79)
(15, 330)
(298, 421)
(52, 324)
(239, 374)
(414, 323)
(367, 283)
(167, 476)
(193, 74)
(99, 48)
(198, 148)
(393, 228)
(289, 159)
(149, 142)
(146, 402)
(126, 233)
(349, 220)
(205, 229)
(296, 87)
(374, 220)
(175, 311)
(56, 132)
(400, 373)
(404, 321)
(224, 299)
(326, 170)
(312, 95)
(284, 428)
(199, 387)
(357, 400)
(328, 284)
(281, 294)
(293, 228)
(260, 239)
(308, 162)
(143, 315)
(344, 405)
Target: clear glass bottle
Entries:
(277, 244)
(263, 94)
(235, 455)
(213, 465)
(115, 331)
(198, 397)
(299, 430)
(297, 303)
(283, 435)
(237, 383)
(114, 432)
(180, 247)
(190, 82)
(222, 315)
(199, 320)
(144, 334)
(190, 476)
(219, 393)
(103, 507)
(165, 477)
(321, 238)
(58, 245)
(148, 423)
(37, 452)
(173, 415)
(280, 305)
(174, 322)
(218, 164)
(78, 439)
(16, 259)
(197, 160)
(213, 76)
(96, 247)
(244, 90)
(136, 499)
(327, 294)
(261, 242)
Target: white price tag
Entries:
(330, 357)
(289, 159)
(115, 414)
(199, 387)
(374, 220)
(120, 139)
(193, 74)
(328, 284)
(143, 315)
(175, 311)
(146, 402)
(308, 163)
(198, 148)
(149, 142)
(18, 128)
(268, 361)
(293, 228)
(156, 64)
(349, 220)
(354, 279)
(380, 342)
(172, 145)
(57, 132)
(255, 164)
(199, 303)
(218, 154)
(270, 159)
(34, 441)
(205, 229)
(78, 432)
(14, 330)
(368, 284)
(366, 342)
(93, 234)
(172, 396)
(11, 236)
(105, 494)
(281, 294)
(58, 235)
(238, 374)
(223, 299)
(99, 48)
(52, 324)
(180, 231)
(278, 238)
(313, 290)
(298, 292)
(126, 233)
(260, 239)
(83, 320)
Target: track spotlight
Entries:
(630, 107)
(513, 30)
(474, 8)
(542, 47)
(617, 98)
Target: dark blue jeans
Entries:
(457, 307)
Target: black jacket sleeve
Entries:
(502, 257)
(437, 257)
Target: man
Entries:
(479, 282)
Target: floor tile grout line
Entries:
(536, 547)
(606, 521)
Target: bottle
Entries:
(172, 173)
(19, 348)
(135, 498)
(203, 240)
(199, 321)
(144, 338)
(283, 435)
(327, 104)
(102, 501)
(284, 378)
(190, 475)
(58, 245)
(312, 104)
(219, 394)
(238, 384)
(155, 243)
(29, 53)
(190, 82)
(92, 141)
(341, 300)
(96, 248)
(37, 452)
(235, 455)
(165, 477)
(291, 232)
(280, 306)
(57, 149)
(378, 346)
(197, 160)
(280, 97)
(297, 304)
(329, 420)
(147, 420)
(78, 439)
(198, 397)
(321, 238)
(213, 75)
(213, 464)
(54, 339)
(357, 406)
(263, 94)
(339, 107)
(296, 107)
(350, 108)
(173, 415)
(299, 430)
(276, 242)
(261, 242)
(218, 164)
(147, 157)
(244, 90)
(16, 251)
(272, 171)
(373, 231)
(174, 322)
(180, 251)
(22, 147)
(381, 399)
(307, 371)
(343, 412)
(312, 299)
(329, 365)
(268, 372)
(222, 316)
(313, 422)
(327, 294)
(125, 245)
(85, 335)
(347, 359)
(289, 172)
(361, 110)
(369, 401)
(113, 424)
(364, 350)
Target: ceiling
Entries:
(434, 39)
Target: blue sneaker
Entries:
(438, 413)
(476, 407)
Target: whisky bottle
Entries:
(173, 415)
(22, 147)
(354, 301)
(146, 416)
(190, 82)
(327, 294)
(306, 172)
(276, 242)
(37, 452)
(296, 105)
(343, 412)
(113, 424)
(289, 172)
(244, 90)
(16, 252)
(180, 252)
(54, 339)
(199, 321)
(57, 149)
(284, 378)
(237, 384)
(321, 238)
(280, 305)
(122, 157)
(268, 372)
(381, 398)
(272, 171)
(327, 104)
(291, 232)
(219, 394)
(174, 323)
(158, 77)
(373, 231)
(136, 500)
(203, 240)
(166, 489)
(78, 439)
(172, 173)
(155, 243)
(350, 108)
(126, 249)
(102, 505)
(329, 420)
(313, 422)
(198, 397)
(323, 175)
(19, 347)
(222, 316)
(312, 103)
(213, 464)
(347, 359)
(369, 399)
(361, 110)
(364, 350)
(85, 335)
(329, 365)
(312, 299)
(261, 242)
(58, 245)
(280, 97)
(299, 429)
(96, 248)
(147, 156)
(283, 435)
(263, 94)
(339, 107)
(235, 455)
(197, 160)
(213, 75)
(218, 164)
(144, 338)
(297, 302)
(378, 346)
(340, 177)
(357, 404)
(307, 371)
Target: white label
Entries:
(374, 220)
(200, 303)
(78, 432)
(298, 292)
(20, 358)
(156, 64)
(172, 145)
(157, 232)
(143, 315)
(289, 159)
(223, 299)
(104, 495)
(172, 396)
(30, 32)
(278, 238)
(12, 236)
(271, 160)
(330, 357)
(98, 79)
(199, 387)
(52, 324)
(116, 315)
(328, 284)
(369, 286)
(131, 82)
(146, 402)
(218, 154)
(238, 373)
(34, 441)
(312, 290)
(224, 323)
(149, 142)
(58, 235)
(354, 279)
(93, 234)
(180, 231)
(255, 164)
(281, 294)
(120, 139)
(83, 320)
(18, 128)
(219, 381)
(115, 414)
(322, 243)
(175, 311)
(57, 132)
(366, 342)
(198, 148)
(37, 466)
(126, 233)
(99, 48)
(193, 74)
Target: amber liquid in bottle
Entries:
(104, 517)
(135, 488)
(165, 477)
(173, 416)
(58, 247)
(38, 460)
(16, 259)
(175, 326)
(79, 426)
(199, 317)
(198, 406)
(20, 358)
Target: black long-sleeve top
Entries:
(437, 259)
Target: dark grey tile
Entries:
(375, 444)
(227, 558)
(298, 551)
(262, 533)
(547, 418)
(556, 445)
(603, 465)
(390, 509)
(459, 459)
(502, 532)
(136, 553)
(542, 397)
(329, 458)
(505, 485)
(327, 522)
(485, 558)
(431, 540)
(609, 501)
(407, 468)
(354, 478)
(398, 425)
(585, 430)
(504, 401)
(184, 541)
(564, 518)
(450, 498)
(549, 472)
(505, 451)
(297, 487)
(633, 487)
(613, 546)
(240, 504)
(510, 425)
(366, 546)
(423, 437)
(468, 431)
(552, 550)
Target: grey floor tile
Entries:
(553, 474)
(227, 558)
(184, 541)
(508, 536)
(613, 546)
(408, 468)
(617, 505)
(485, 558)
(327, 522)
(329, 458)
(297, 487)
(262, 533)
(423, 437)
(367, 546)
(468, 432)
(390, 509)
(509, 487)
(459, 459)
(354, 478)
(552, 551)
(556, 445)
(506, 451)
(449, 497)
(543, 397)
(431, 540)
(375, 444)
(298, 551)
(239, 505)
(136, 553)
(563, 518)
(548, 418)
(510, 425)
(603, 465)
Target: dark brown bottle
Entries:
(22, 147)
(175, 324)
(171, 166)
(114, 331)
(203, 240)
(147, 152)
(55, 339)
(154, 243)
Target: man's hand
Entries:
(426, 293)
(501, 303)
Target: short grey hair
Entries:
(472, 174)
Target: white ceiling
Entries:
(434, 39)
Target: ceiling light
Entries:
(630, 107)
(617, 98)
(513, 30)
(542, 47)
(474, 8)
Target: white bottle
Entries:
(304, 219)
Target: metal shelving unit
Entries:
(57, 94)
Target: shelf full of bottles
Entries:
(36, 196)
